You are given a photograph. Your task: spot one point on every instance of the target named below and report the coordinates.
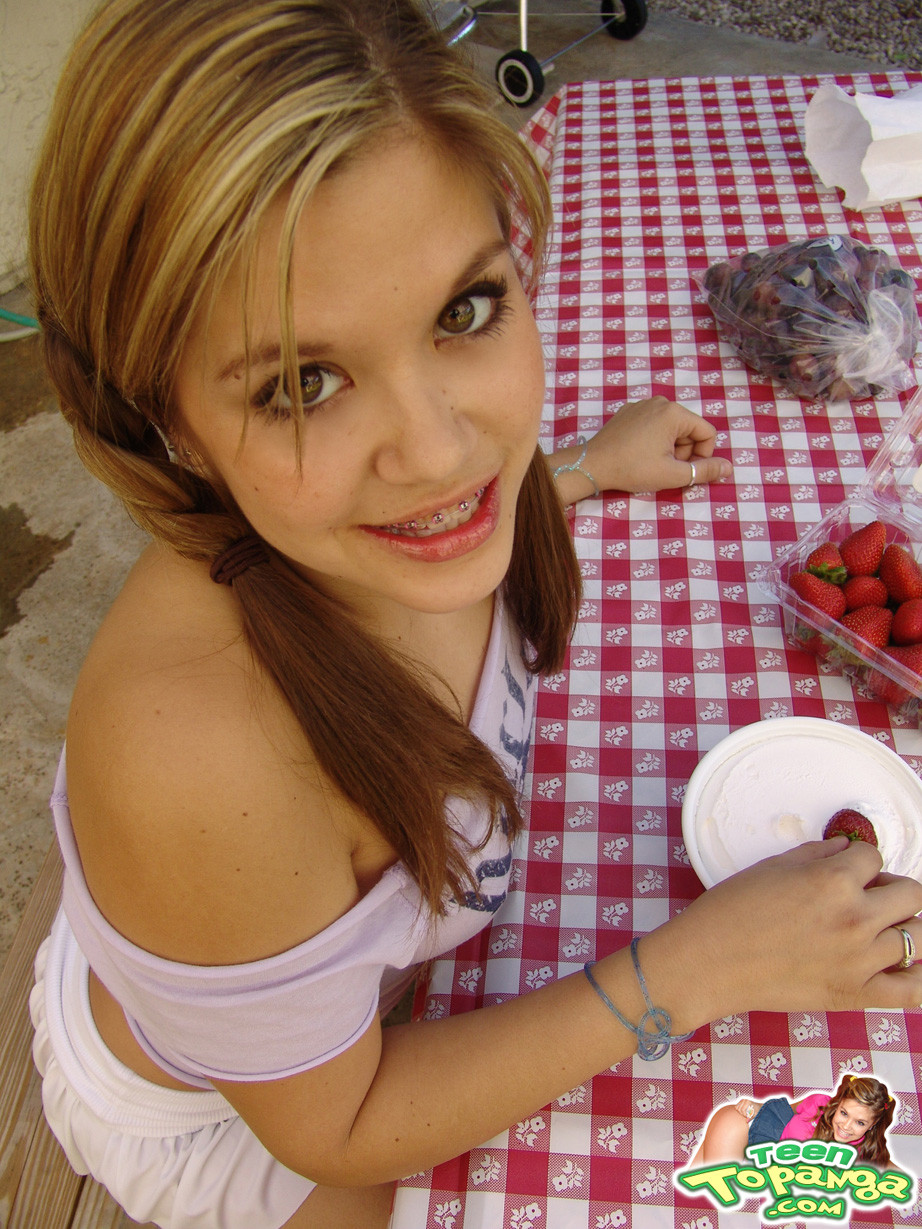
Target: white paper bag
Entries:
(868, 145)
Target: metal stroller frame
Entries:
(519, 75)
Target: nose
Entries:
(424, 433)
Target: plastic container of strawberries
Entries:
(891, 493)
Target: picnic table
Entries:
(677, 645)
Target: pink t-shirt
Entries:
(806, 1113)
(275, 1017)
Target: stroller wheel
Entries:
(624, 18)
(519, 77)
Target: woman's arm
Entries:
(646, 446)
(207, 838)
(418, 1094)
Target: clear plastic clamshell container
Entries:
(891, 493)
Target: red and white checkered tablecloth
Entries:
(677, 644)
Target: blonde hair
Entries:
(176, 124)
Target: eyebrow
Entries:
(271, 353)
(480, 261)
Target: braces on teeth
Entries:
(438, 517)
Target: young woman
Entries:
(272, 259)
(857, 1113)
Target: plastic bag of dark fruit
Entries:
(828, 318)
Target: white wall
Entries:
(35, 36)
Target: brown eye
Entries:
(317, 384)
(458, 316)
(480, 309)
(311, 384)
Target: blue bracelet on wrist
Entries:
(577, 466)
(651, 1043)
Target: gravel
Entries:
(887, 31)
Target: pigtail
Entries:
(341, 684)
(174, 128)
(338, 681)
(543, 584)
(396, 762)
(874, 1145)
(128, 452)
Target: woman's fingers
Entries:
(894, 986)
(707, 469)
(885, 903)
(884, 899)
(831, 943)
(895, 900)
(898, 942)
(651, 445)
(815, 851)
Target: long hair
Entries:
(876, 1098)
(176, 124)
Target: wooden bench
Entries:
(38, 1189)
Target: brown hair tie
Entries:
(237, 558)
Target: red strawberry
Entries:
(907, 622)
(872, 623)
(887, 689)
(862, 550)
(826, 562)
(864, 591)
(853, 824)
(900, 573)
(812, 641)
(822, 594)
(908, 655)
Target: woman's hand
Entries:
(809, 930)
(646, 446)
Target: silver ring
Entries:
(694, 474)
(909, 949)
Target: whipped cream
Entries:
(781, 784)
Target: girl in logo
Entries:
(857, 1113)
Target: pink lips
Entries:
(452, 543)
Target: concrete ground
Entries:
(64, 543)
(668, 46)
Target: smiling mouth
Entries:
(440, 522)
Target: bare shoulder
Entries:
(205, 831)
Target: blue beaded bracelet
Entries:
(651, 1043)
(578, 466)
